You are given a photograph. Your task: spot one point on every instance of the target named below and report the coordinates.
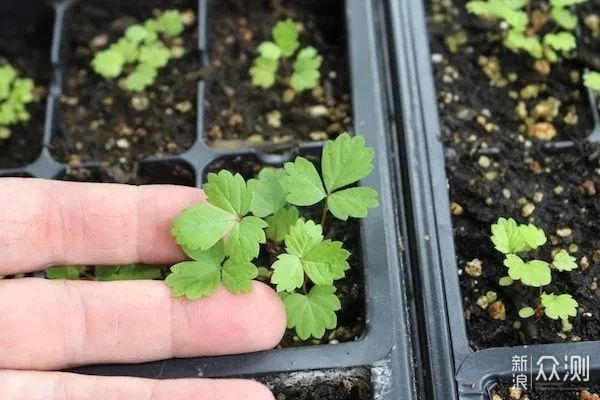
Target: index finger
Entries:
(44, 223)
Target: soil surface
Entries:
(502, 392)
(236, 110)
(99, 121)
(27, 50)
(480, 85)
(350, 290)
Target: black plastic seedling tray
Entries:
(386, 347)
(457, 371)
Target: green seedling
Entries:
(591, 80)
(521, 32)
(141, 52)
(15, 94)
(242, 219)
(284, 45)
(516, 240)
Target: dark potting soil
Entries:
(28, 51)
(99, 121)
(554, 190)
(502, 390)
(350, 290)
(236, 110)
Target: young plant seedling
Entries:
(242, 219)
(515, 240)
(284, 45)
(142, 51)
(521, 31)
(15, 94)
(591, 80)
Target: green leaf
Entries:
(280, 223)
(526, 312)
(353, 202)
(303, 236)
(565, 3)
(563, 261)
(65, 272)
(214, 255)
(193, 279)
(312, 314)
(155, 55)
(127, 272)
(559, 306)
(238, 275)
(7, 76)
(518, 41)
(244, 240)
(126, 48)
(108, 63)
(285, 34)
(302, 183)
(564, 18)
(288, 273)
(269, 50)
(228, 192)
(505, 281)
(534, 273)
(170, 23)
(507, 237)
(562, 41)
(268, 195)
(346, 160)
(326, 262)
(591, 80)
(136, 33)
(533, 236)
(263, 72)
(142, 77)
(202, 226)
(306, 69)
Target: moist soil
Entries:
(28, 52)
(519, 177)
(350, 290)
(237, 111)
(98, 120)
(503, 393)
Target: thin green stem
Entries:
(324, 215)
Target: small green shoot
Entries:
(515, 240)
(141, 52)
(285, 42)
(244, 220)
(591, 80)
(15, 94)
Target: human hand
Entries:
(49, 325)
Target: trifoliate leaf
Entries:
(591, 80)
(565, 3)
(288, 273)
(214, 255)
(268, 196)
(564, 18)
(202, 226)
(66, 272)
(518, 41)
(526, 312)
(228, 192)
(507, 237)
(326, 262)
(562, 41)
(263, 72)
(136, 33)
(238, 275)
(353, 202)
(302, 183)
(312, 314)
(346, 160)
(563, 261)
(559, 306)
(245, 238)
(7, 76)
(280, 223)
(108, 63)
(285, 34)
(306, 69)
(303, 236)
(155, 55)
(534, 236)
(193, 279)
(170, 23)
(142, 77)
(129, 272)
(534, 273)
(269, 50)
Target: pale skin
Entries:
(47, 326)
